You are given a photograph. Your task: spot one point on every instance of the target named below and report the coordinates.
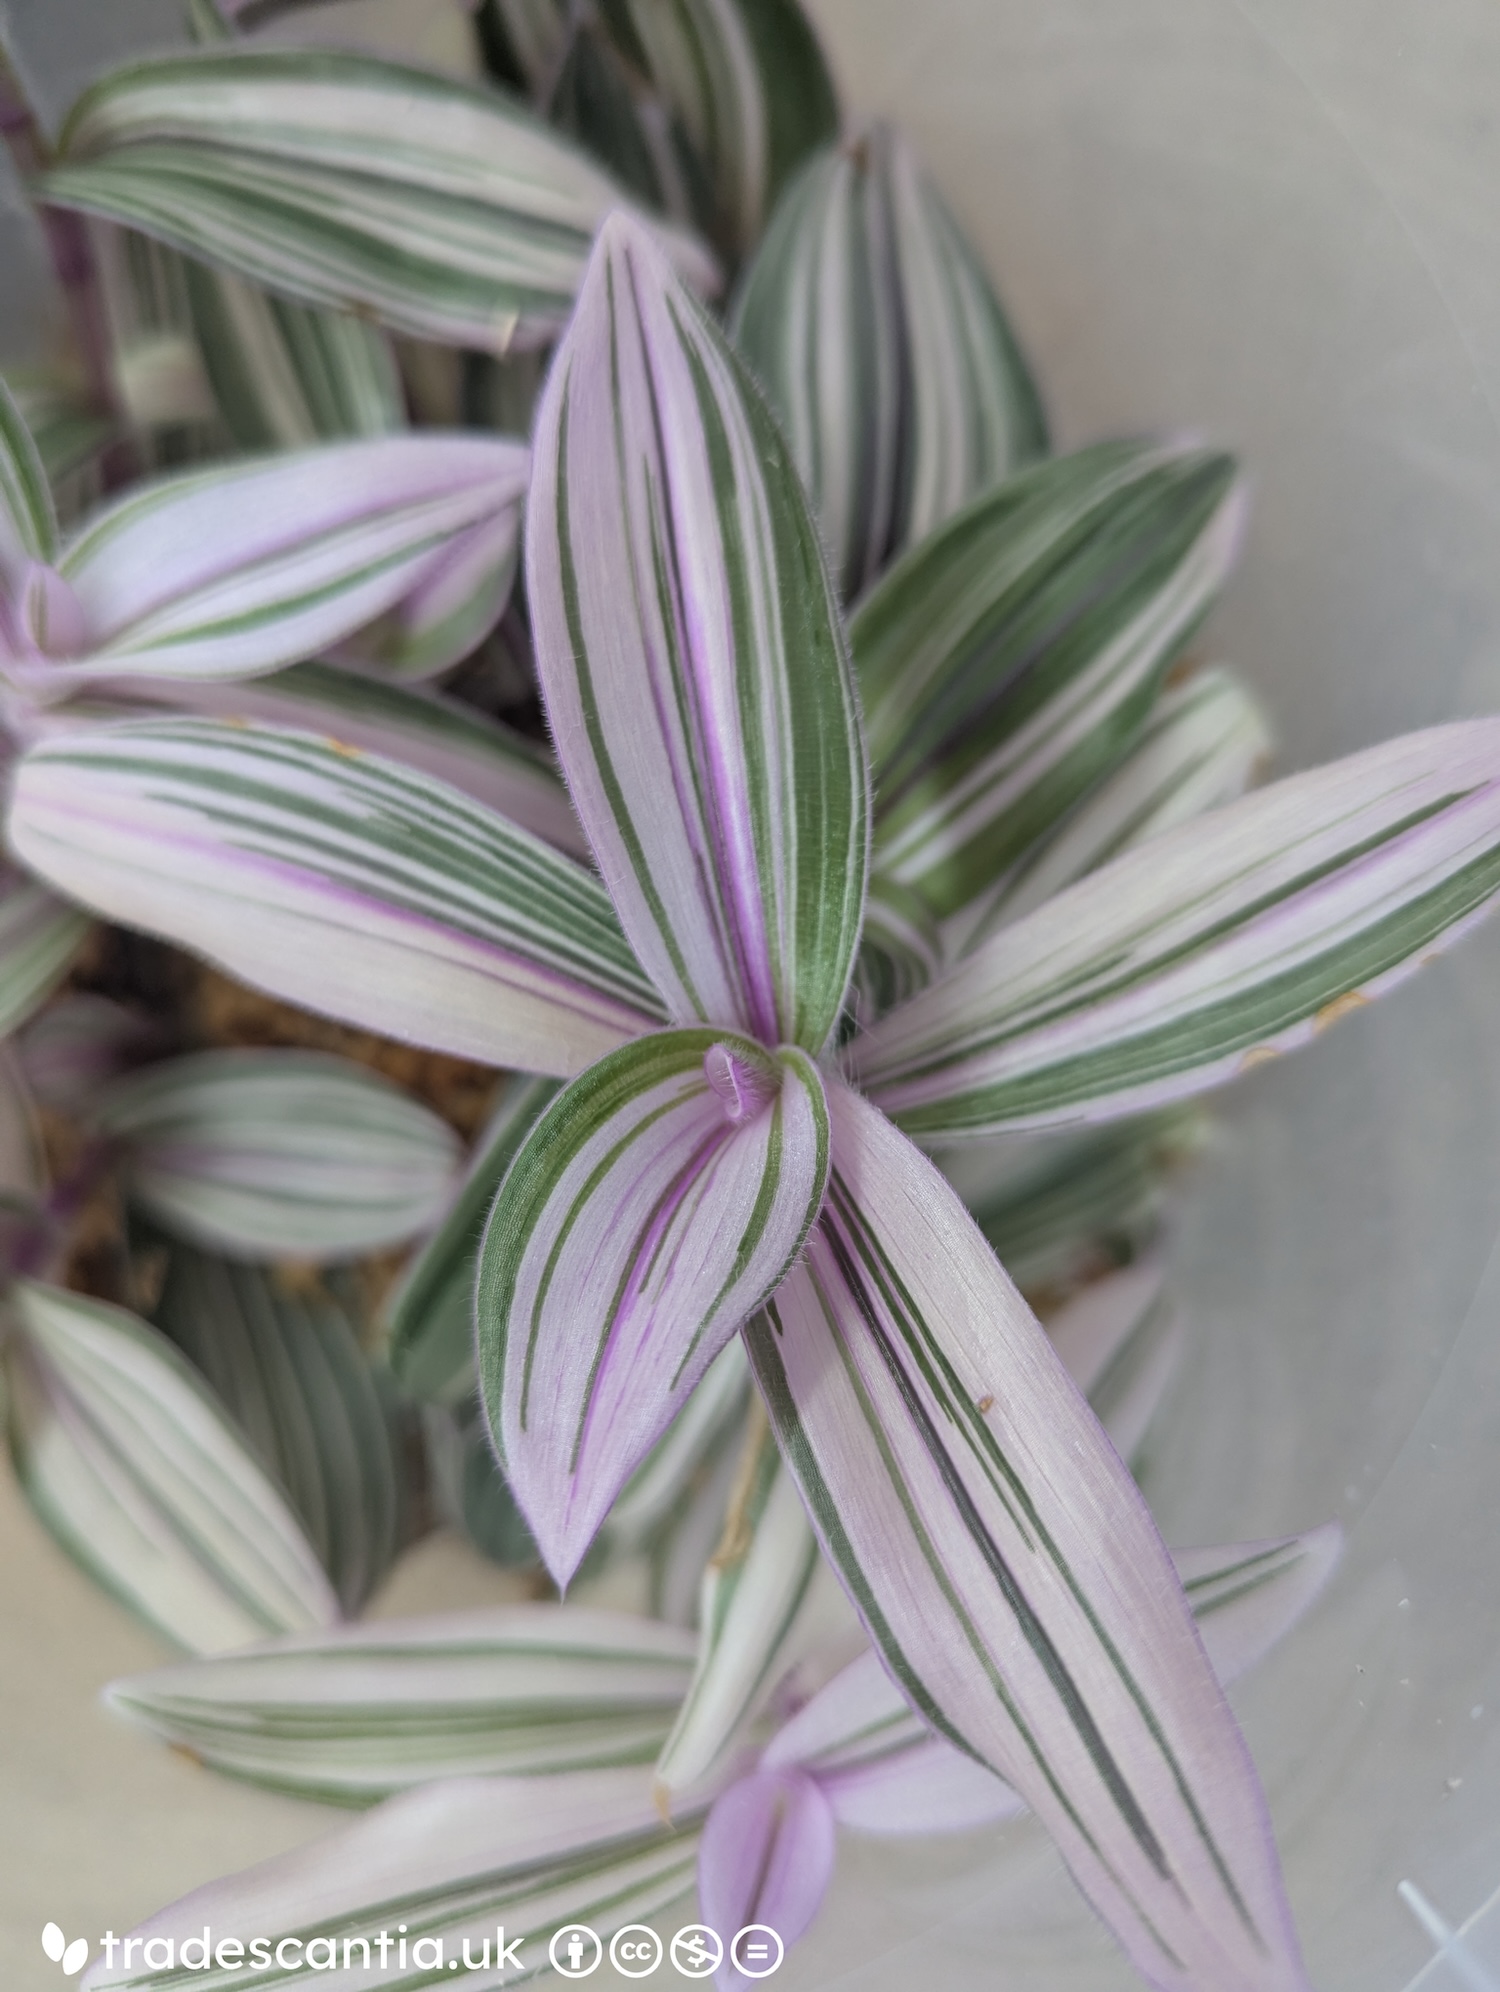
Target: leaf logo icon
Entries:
(71, 1956)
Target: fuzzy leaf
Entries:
(670, 1477)
(691, 661)
(1231, 938)
(443, 210)
(356, 1714)
(338, 881)
(766, 1857)
(653, 1207)
(132, 1465)
(1008, 1570)
(1010, 659)
(279, 1154)
(885, 352)
(288, 1368)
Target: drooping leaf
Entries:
(1006, 1567)
(125, 1455)
(1229, 939)
(753, 1592)
(885, 353)
(654, 1205)
(690, 657)
(288, 1368)
(39, 936)
(339, 881)
(766, 1857)
(279, 1154)
(431, 1314)
(443, 210)
(1010, 660)
(356, 1714)
(452, 1861)
(422, 729)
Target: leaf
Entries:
(123, 1453)
(451, 1860)
(1119, 1340)
(1010, 660)
(691, 661)
(443, 210)
(39, 936)
(752, 1596)
(900, 949)
(233, 571)
(671, 1475)
(1231, 938)
(1204, 745)
(469, 1491)
(338, 881)
(289, 1369)
(279, 1154)
(1008, 1570)
(766, 1857)
(356, 1714)
(78, 1044)
(653, 1207)
(1248, 1596)
(431, 1314)
(422, 729)
(28, 524)
(883, 348)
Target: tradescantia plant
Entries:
(882, 896)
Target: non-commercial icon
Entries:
(635, 1951)
(575, 1951)
(757, 1951)
(697, 1951)
(71, 1956)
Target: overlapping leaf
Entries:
(885, 352)
(954, 1476)
(654, 1205)
(39, 936)
(443, 210)
(1011, 658)
(28, 524)
(672, 1474)
(128, 1459)
(354, 1715)
(691, 660)
(1119, 1339)
(357, 888)
(1219, 944)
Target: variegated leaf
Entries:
(422, 729)
(1009, 661)
(442, 210)
(1204, 744)
(1119, 1339)
(1008, 1570)
(691, 660)
(674, 1472)
(279, 1154)
(753, 1592)
(900, 948)
(431, 1314)
(288, 1367)
(885, 352)
(357, 888)
(130, 1462)
(28, 524)
(236, 570)
(1225, 941)
(452, 1861)
(39, 936)
(356, 1714)
(654, 1205)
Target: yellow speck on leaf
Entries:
(1341, 1006)
(342, 747)
(987, 1403)
(1258, 1054)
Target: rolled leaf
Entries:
(289, 1369)
(655, 1204)
(1011, 659)
(1007, 1569)
(431, 1315)
(885, 352)
(691, 660)
(338, 881)
(766, 1857)
(1204, 745)
(1220, 944)
(233, 571)
(356, 1714)
(39, 936)
(752, 1596)
(421, 729)
(442, 210)
(28, 523)
(126, 1456)
(279, 1154)
(452, 1861)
